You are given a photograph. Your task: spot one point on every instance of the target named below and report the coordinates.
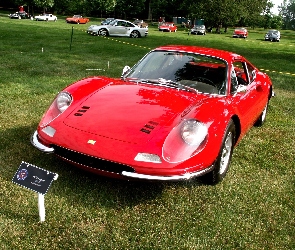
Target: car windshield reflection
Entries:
(186, 71)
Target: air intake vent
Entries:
(149, 127)
(81, 111)
(90, 161)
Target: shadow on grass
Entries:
(77, 186)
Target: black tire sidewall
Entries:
(215, 176)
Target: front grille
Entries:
(90, 161)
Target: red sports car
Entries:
(240, 33)
(175, 115)
(168, 26)
(77, 19)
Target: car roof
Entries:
(222, 54)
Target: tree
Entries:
(287, 11)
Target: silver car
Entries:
(272, 35)
(118, 27)
(198, 30)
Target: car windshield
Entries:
(186, 71)
(112, 22)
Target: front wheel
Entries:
(134, 34)
(103, 32)
(221, 164)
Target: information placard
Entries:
(34, 178)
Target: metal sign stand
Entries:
(41, 207)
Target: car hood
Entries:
(131, 112)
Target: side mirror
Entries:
(125, 70)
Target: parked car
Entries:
(177, 114)
(20, 15)
(272, 35)
(140, 23)
(46, 17)
(77, 19)
(240, 33)
(168, 27)
(198, 30)
(118, 27)
(107, 21)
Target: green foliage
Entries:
(253, 208)
(287, 11)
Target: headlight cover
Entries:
(185, 141)
(62, 101)
(193, 132)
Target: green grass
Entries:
(253, 208)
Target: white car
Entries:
(272, 35)
(46, 17)
(118, 27)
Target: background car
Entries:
(140, 23)
(157, 122)
(46, 17)
(107, 21)
(240, 33)
(272, 35)
(118, 27)
(20, 15)
(198, 30)
(77, 19)
(168, 27)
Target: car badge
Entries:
(91, 142)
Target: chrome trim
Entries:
(186, 176)
(35, 142)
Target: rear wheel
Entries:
(222, 162)
(134, 34)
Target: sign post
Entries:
(37, 180)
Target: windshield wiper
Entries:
(164, 82)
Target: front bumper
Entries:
(35, 142)
(125, 174)
(186, 176)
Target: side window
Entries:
(251, 71)
(241, 72)
(233, 82)
(129, 24)
(120, 23)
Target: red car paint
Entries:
(168, 27)
(116, 119)
(77, 19)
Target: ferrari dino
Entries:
(177, 114)
(77, 19)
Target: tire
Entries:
(134, 34)
(103, 32)
(261, 119)
(222, 162)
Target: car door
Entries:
(119, 29)
(246, 93)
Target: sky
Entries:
(276, 3)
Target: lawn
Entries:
(252, 208)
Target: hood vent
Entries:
(149, 127)
(81, 111)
